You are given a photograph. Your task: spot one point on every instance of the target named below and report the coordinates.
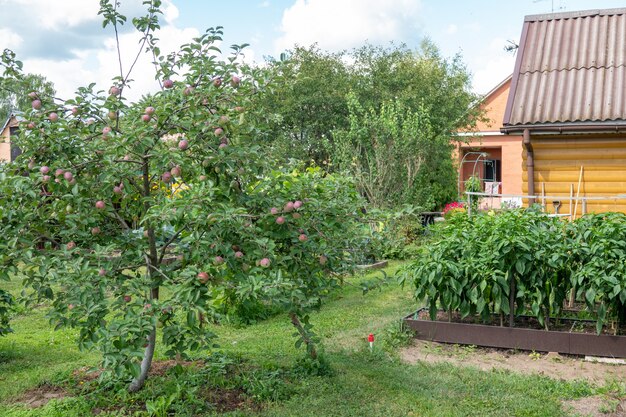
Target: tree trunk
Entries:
(152, 262)
(305, 336)
(146, 363)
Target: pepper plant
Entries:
(488, 264)
(598, 246)
(147, 218)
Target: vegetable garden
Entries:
(497, 267)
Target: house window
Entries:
(492, 171)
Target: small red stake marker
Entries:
(370, 339)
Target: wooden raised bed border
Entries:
(518, 338)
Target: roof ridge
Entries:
(575, 68)
(574, 14)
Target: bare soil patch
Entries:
(225, 400)
(551, 364)
(41, 395)
(596, 406)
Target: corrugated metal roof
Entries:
(571, 67)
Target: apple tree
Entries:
(142, 219)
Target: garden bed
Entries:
(523, 338)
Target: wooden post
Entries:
(580, 178)
(543, 196)
(571, 201)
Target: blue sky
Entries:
(64, 40)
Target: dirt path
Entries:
(552, 365)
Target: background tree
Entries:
(313, 107)
(308, 102)
(133, 216)
(14, 93)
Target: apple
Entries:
(217, 82)
(106, 130)
(288, 206)
(297, 204)
(145, 118)
(117, 190)
(203, 277)
(36, 104)
(59, 172)
(222, 145)
(166, 177)
(202, 178)
(218, 132)
(150, 110)
(224, 120)
(234, 81)
(68, 176)
(303, 238)
(265, 262)
(274, 210)
(176, 171)
(323, 259)
(44, 169)
(238, 254)
(239, 109)
(70, 245)
(127, 298)
(114, 90)
(168, 83)
(53, 117)
(112, 115)
(147, 306)
(70, 306)
(188, 90)
(95, 230)
(280, 220)
(30, 125)
(45, 178)
(183, 144)
(102, 272)
(296, 215)
(32, 95)
(75, 111)
(100, 205)
(218, 260)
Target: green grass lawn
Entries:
(362, 383)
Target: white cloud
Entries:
(452, 29)
(9, 39)
(492, 72)
(58, 14)
(65, 42)
(340, 24)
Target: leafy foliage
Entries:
(384, 114)
(164, 213)
(13, 93)
(598, 245)
(501, 264)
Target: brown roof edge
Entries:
(515, 75)
(567, 128)
(573, 15)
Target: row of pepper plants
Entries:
(523, 262)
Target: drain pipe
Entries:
(530, 166)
